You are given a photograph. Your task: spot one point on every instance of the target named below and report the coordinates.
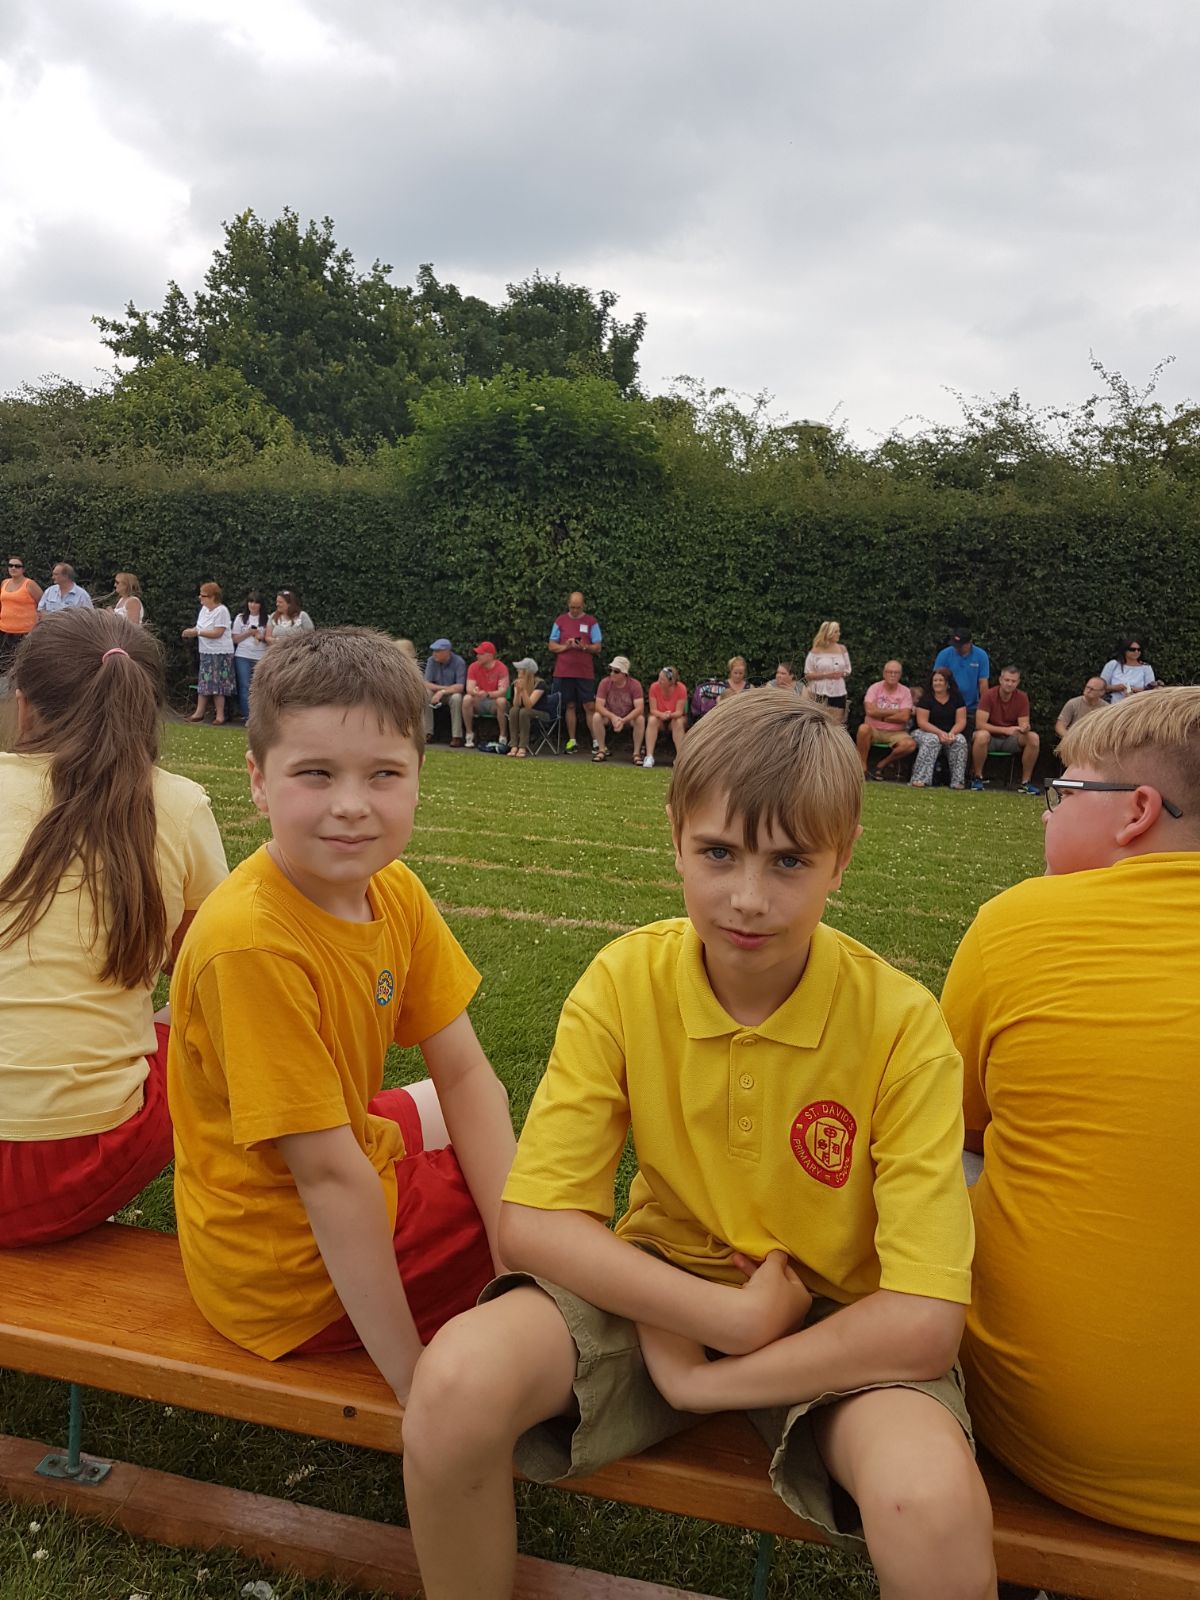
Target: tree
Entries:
(176, 410)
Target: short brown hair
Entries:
(1152, 737)
(335, 667)
(779, 761)
(213, 589)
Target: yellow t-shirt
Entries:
(832, 1131)
(73, 1049)
(1076, 1005)
(281, 1018)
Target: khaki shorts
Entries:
(618, 1412)
(889, 736)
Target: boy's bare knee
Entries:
(457, 1405)
(932, 1531)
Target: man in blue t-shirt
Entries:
(968, 665)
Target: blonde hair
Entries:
(343, 667)
(736, 661)
(778, 761)
(129, 579)
(1150, 738)
(824, 635)
(407, 648)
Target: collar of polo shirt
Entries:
(800, 1020)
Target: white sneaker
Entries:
(502, 745)
(469, 741)
(648, 761)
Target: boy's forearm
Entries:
(885, 1337)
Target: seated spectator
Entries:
(1070, 1003)
(1002, 728)
(530, 703)
(970, 666)
(736, 682)
(826, 668)
(1081, 706)
(941, 725)
(620, 703)
(785, 678)
(445, 684)
(288, 615)
(64, 594)
(487, 693)
(1127, 674)
(887, 705)
(668, 708)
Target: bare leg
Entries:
(1030, 745)
(926, 1514)
(639, 733)
(600, 729)
(571, 721)
(486, 1377)
(651, 735)
(201, 709)
(433, 1124)
(468, 713)
(863, 740)
(219, 708)
(678, 729)
(979, 753)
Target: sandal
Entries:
(600, 755)
(514, 751)
(195, 718)
(522, 751)
(637, 758)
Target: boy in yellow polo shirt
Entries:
(316, 1212)
(798, 1237)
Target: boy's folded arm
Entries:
(886, 1337)
(348, 1214)
(475, 1106)
(577, 1252)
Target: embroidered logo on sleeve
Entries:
(823, 1141)
(385, 987)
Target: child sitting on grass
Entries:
(798, 1239)
(316, 1212)
(104, 859)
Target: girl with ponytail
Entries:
(104, 859)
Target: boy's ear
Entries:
(676, 839)
(258, 787)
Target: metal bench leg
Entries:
(74, 1465)
(762, 1566)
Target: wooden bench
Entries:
(111, 1310)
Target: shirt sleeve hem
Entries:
(320, 1118)
(932, 1283)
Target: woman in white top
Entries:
(826, 668)
(129, 603)
(251, 631)
(216, 677)
(288, 615)
(1127, 673)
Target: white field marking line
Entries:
(541, 838)
(544, 872)
(448, 910)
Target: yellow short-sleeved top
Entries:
(1075, 1001)
(281, 1018)
(832, 1131)
(73, 1049)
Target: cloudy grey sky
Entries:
(859, 205)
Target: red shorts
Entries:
(441, 1246)
(55, 1188)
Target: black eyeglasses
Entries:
(1057, 787)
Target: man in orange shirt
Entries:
(1074, 1003)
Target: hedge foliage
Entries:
(512, 493)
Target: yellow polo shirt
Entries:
(282, 1016)
(1076, 1005)
(832, 1131)
(73, 1049)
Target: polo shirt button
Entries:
(750, 1038)
(745, 1124)
(746, 1081)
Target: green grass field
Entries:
(536, 864)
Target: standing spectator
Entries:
(941, 725)
(575, 639)
(826, 668)
(64, 594)
(1081, 706)
(888, 705)
(668, 706)
(445, 684)
(1127, 674)
(1002, 728)
(487, 693)
(620, 702)
(530, 703)
(129, 598)
(785, 678)
(288, 615)
(216, 676)
(19, 598)
(970, 666)
(250, 629)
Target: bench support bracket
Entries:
(74, 1464)
(762, 1566)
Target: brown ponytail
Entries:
(95, 686)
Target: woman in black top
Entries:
(941, 725)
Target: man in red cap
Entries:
(487, 692)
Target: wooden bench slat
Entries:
(112, 1310)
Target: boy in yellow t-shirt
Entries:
(798, 1237)
(316, 1212)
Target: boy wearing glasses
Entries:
(1074, 1001)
